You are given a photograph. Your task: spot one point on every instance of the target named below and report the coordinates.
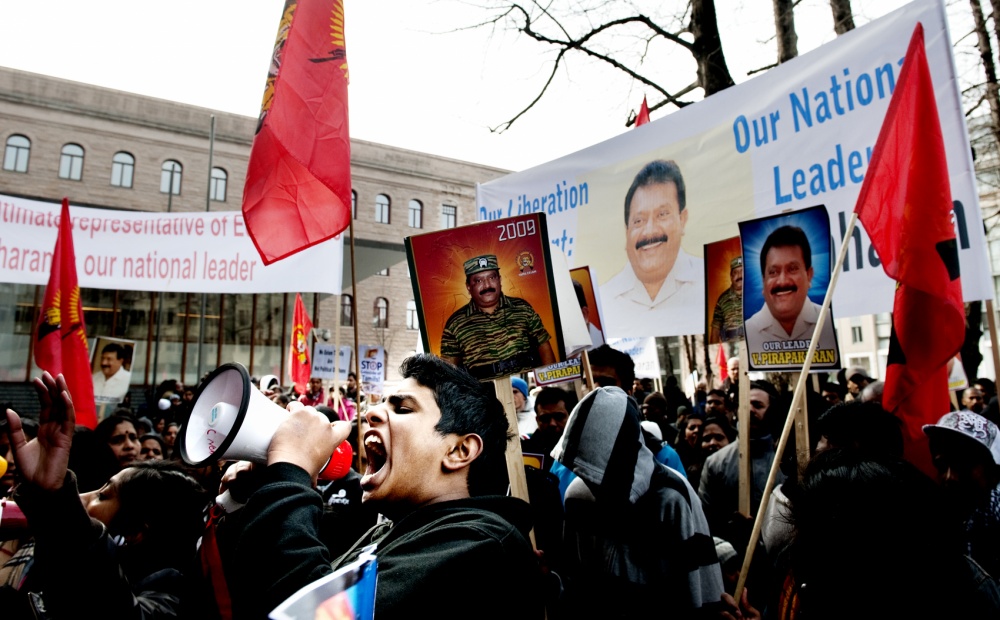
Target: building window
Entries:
(217, 188)
(416, 214)
(122, 169)
(71, 162)
(449, 216)
(411, 315)
(380, 318)
(15, 157)
(346, 311)
(354, 205)
(382, 272)
(170, 177)
(382, 209)
(856, 335)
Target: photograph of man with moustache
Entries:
(485, 296)
(660, 277)
(793, 253)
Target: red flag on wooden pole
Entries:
(298, 182)
(720, 361)
(905, 206)
(61, 336)
(299, 364)
(643, 116)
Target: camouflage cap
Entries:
(736, 263)
(486, 262)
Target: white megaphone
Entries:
(232, 420)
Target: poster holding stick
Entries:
(798, 396)
(485, 296)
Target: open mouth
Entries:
(376, 453)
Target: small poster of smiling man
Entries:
(786, 271)
(485, 297)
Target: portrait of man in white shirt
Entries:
(661, 281)
(111, 381)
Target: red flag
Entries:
(720, 361)
(905, 205)
(643, 117)
(298, 182)
(299, 366)
(61, 337)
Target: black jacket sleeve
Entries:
(278, 550)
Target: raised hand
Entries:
(44, 460)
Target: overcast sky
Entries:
(416, 83)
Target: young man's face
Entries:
(405, 451)
(552, 417)
(715, 405)
(484, 288)
(786, 282)
(654, 230)
(315, 385)
(110, 364)
(760, 401)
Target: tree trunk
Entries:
(986, 55)
(713, 73)
(843, 17)
(971, 356)
(784, 26)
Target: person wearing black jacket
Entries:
(435, 457)
(124, 551)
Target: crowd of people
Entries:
(634, 497)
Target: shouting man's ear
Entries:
(464, 450)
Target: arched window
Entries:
(380, 318)
(15, 157)
(122, 169)
(346, 311)
(411, 315)
(354, 205)
(170, 177)
(217, 190)
(382, 209)
(416, 214)
(71, 162)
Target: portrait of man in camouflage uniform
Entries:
(494, 335)
(727, 320)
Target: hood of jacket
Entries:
(603, 445)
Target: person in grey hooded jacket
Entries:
(636, 536)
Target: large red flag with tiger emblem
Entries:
(61, 336)
(298, 183)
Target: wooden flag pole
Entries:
(743, 430)
(588, 376)
(355, 358)
(797, 400)
(991, 320)
(802, 452)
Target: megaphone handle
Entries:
(228, 503)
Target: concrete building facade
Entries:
(109, 149)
